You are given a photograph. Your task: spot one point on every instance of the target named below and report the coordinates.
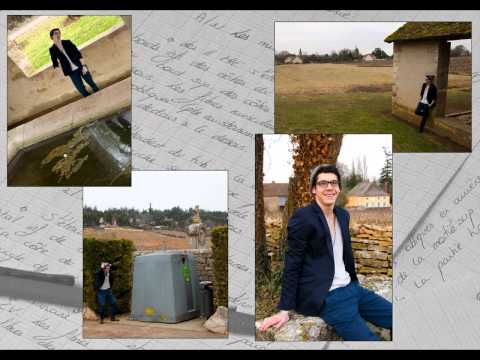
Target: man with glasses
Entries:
(319, 277)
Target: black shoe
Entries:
(101, 321)
(114, 319)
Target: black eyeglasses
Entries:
(324, 184)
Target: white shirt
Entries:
(72, 65)
(106, 282)
(425, 93)
(341, 277)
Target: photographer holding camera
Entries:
(103, 286)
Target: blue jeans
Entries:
(348, 308)
(106, 295)
(77, 76)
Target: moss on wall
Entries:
(431, 31)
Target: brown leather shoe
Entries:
(101, 321)
(114, 319)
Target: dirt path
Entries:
(126, 328)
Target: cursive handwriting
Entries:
(444, 261)
(471, 186)
(11, 326)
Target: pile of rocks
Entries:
(372, 249)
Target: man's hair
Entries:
(326, 168)
(52, 31)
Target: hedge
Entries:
(220, 265)
(120, 254)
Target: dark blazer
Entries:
(73, 53)
(100, 278)
(432, 93)
(309, 264)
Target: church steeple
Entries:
(300, 52)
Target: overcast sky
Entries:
(164, 189)
(277, 162)
(324, 37)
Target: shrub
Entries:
(120, 254)
(220, 265)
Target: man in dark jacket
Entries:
(319, 277)
(71, 61)
(103, 285)
(428, 97)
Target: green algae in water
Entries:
(69, 162)
(91, 156)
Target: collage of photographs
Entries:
(347, 96)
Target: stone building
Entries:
(369, 57)
(421, 48)
(295, 59)
(274, 197)
(367, 195)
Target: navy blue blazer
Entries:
(100, 278)
(73, 53)
(309, 264)
(431, 95)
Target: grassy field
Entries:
(318, 79)
(36, 42)
(351, 99)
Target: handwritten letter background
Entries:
(202, 86)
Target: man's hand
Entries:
(84, 70)
(277, 321)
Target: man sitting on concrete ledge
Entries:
(71, 61)
(319, 276)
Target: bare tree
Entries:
(310, 150)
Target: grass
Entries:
(361, 112)
(267, 296)
(36, 42)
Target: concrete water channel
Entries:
(96, 154)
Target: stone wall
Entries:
(372, 249)
(99, 105)
(371, 245)
(273, 232)
(412, 60)
(272, 209)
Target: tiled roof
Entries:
(366, 188)
(275, 189)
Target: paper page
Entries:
(202, 86)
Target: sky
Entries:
(324, 37)
(277, 161)
(165, 190)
